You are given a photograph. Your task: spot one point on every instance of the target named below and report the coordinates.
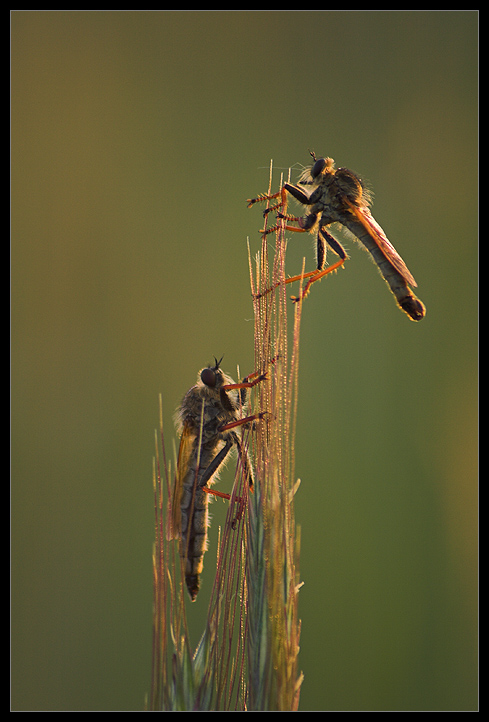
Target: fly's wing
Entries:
(376, 233)
(173, 520)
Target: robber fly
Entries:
(208, 419)
(339, 195)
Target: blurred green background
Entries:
(136, 139)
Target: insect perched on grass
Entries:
(339, 195)
(209, 420)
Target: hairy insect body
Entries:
(208, 420)
(338, 195)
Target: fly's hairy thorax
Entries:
(329, 191)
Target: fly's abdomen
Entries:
(392, 268)
(193, 542)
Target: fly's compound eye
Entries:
(208, 377)
(318, 167)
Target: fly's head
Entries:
(316, 174)
(212, 376)
(213, 380)
(321, 166)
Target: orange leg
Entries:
(286, 227)
(220, 494)
(240, 422)
(239, 500)
(282, 194)
(313, 277)
(226, 427)
(245, 384)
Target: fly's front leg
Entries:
(266, 197)
(252, 379)
(282, 194)
(294, 191)
(298, 194)
(256, 377)
(249, 381)
(262, 197)
(305, 223)
(246, 383)
(243, 387)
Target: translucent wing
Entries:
(173, 521)
(378, 236)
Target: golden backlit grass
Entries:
(247, 658)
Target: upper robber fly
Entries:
(339, 195)
(209, 420)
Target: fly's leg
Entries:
(266, 197)
(298, 194)
(243, 387)
(213, 467)
(243, 455)
(323, 239)
(306, 223)
(256, 377)
(246, 383)
(316, 276)
(248, 472)
(246, 420)
(282, 194)
(331, 241)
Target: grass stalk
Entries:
(247, 657)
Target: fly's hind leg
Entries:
(305, 224)
(324, 239)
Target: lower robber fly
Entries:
(339, 195)
(209, 420)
